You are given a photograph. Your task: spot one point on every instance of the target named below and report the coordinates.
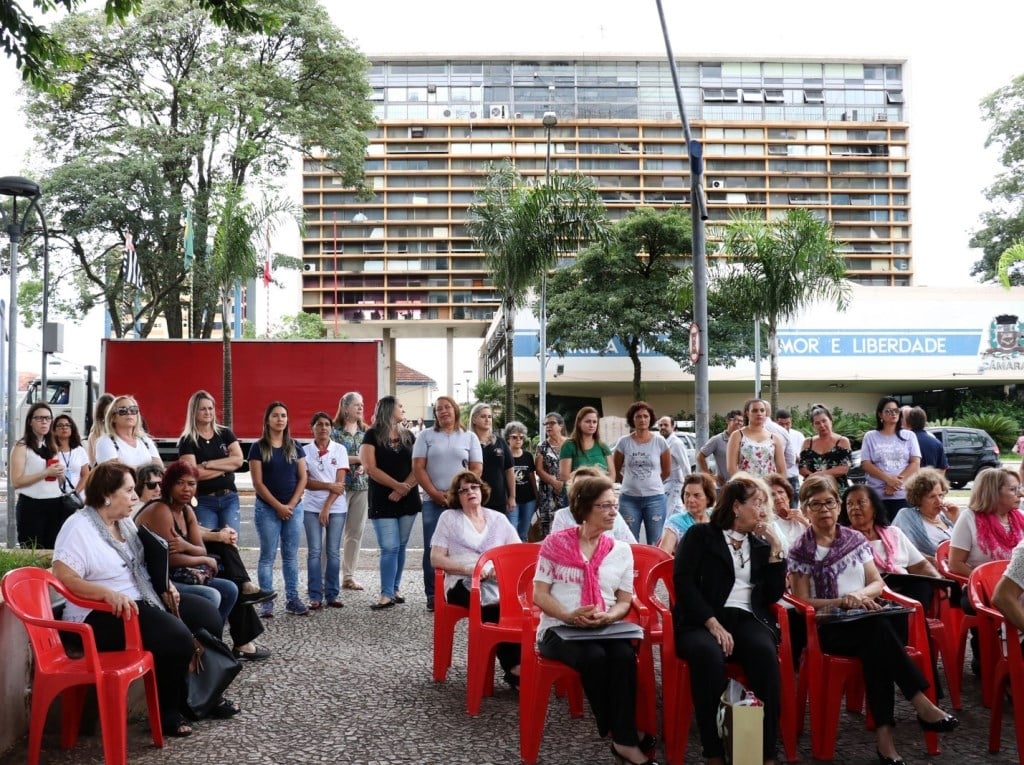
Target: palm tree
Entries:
(235, 258)
(779, 267)
(1011, 265)
(522, 228)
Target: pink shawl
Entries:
(888, 563)
(993, 539)
(562, 549)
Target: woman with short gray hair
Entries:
(525, 471)
(552, 495)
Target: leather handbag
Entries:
(70, 500)
(212, 669)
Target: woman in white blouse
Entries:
(124, 438)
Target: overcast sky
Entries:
(953, 60)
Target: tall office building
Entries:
(831, 136)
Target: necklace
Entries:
(737, 548)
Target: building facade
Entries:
(830, 136)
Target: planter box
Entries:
(15, 679)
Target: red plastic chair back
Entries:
(26, 592)
(960, 625)
(509, 562)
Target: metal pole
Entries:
(757, 359)
(699, 214)
(14, 232)
(549, 121)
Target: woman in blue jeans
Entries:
(325, 512)
(394, 500)
(278, 468)
(643, 461)
(525, 470)
(437, 456)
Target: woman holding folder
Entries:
(584, 579)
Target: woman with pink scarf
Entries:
(991, 526)
(585, 579)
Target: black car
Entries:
(969, 451)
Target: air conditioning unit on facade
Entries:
(716, 184)
(498, 111)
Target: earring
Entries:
(106, 502)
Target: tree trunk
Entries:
(634, 355)
(773, 356)
(225, 396)
(510, 394)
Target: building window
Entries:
(814, 96)
(894, 96)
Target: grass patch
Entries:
(17, 558)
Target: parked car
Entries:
(689, 440)
(969, 451)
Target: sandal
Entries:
(315, 605)
(176, 727)
(351, 584)
(225, 709)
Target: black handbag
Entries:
(70, 501)
(211, 672)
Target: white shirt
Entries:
(116, 448)
(563, 520)
(324, 469)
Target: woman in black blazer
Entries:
(727, 575)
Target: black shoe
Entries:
(883, 760)
(648, 743)
(945, 725)
(430, 604)
(512, 681)
(258, 655)
(255, 598)
(623, 761)
(382, 606)
(399, 599)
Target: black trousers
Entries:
(754, 649)
(878, 642)
(607, 670)
(244, 623)
(166, 637)
(39, 521)
(507, 653)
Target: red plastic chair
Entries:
(26, 593)
(446, 616)
(677, 703)
(645, 559)
(509, 561)
(1006, 666)
(538, 675)
(824, 677)
(959, 625)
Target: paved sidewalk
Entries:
(354, 686)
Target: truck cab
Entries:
(71, 393)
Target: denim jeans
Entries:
(521, 517)
(272, 532)
(217, 512)
(223, 593)
(392, 536)
(649, 510)
(431, 512)
(318, 575)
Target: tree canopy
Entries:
(635, 288)
(1003, 226)
(779, 267)
(39, 54)
(165, 114)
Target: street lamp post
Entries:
(549, 120)
(469, 394)
(15, 187)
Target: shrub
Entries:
(18, 558)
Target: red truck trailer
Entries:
(307, 375)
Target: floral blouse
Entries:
(355, 479)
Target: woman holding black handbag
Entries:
(35, 473)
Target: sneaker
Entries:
(267, 613)
(296, 608)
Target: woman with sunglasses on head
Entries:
(889, 455)
(463, 534)
(68, 444)
(36, 471)
(832, 567)
(124, 439)
(728, 573)
(552, 494)
(325, 513)
(217, 453)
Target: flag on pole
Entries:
(267, 275)
(130, 264)
(190, 253)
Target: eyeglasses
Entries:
(607, 505)
(551, 424)
(123, 410)
(62, 424)
(820, 507)
(470, 489)
(516, 435)
(1015, 489)
(890, 411)
(152, 485)
(42, 418)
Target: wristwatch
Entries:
(777, 556)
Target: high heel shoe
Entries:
(648, 743)
(623, 761)
(945, 725)
(883, 760)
